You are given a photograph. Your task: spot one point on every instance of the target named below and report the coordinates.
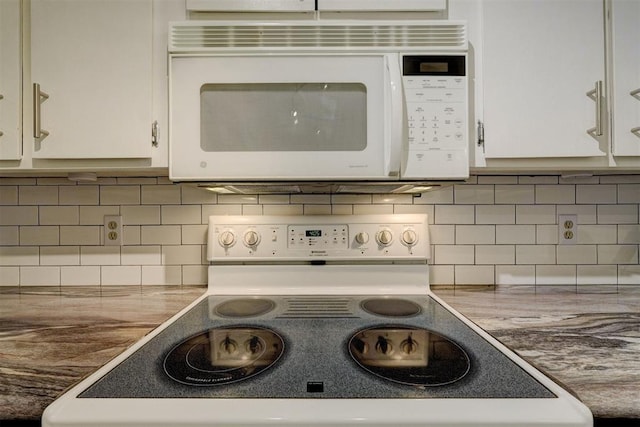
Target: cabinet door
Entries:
(10, 81)
(541, 58)
(92, 61)
(625, 19)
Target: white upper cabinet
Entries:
(542, 63)
(91, 74)
(250, 5)
(625, 54)
(10, 81)
(382, 5)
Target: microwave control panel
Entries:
(437, 116)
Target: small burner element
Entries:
(245, 307)
(223, 355)
(391, 307)
(409, 355)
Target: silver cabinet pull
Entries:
(38, 98)
(596, 95)
(1, 98)
(636, 95)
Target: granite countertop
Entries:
(50, 338)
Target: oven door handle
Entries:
(394, 114)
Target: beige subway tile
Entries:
(475, 234)
(629, 193)
(555, 194)
(372, 209)
(474, 194)
(194, 275)
(161, 275)
(39, 276)
(8, 195)
(597, 234)
(597, 275)
(59, 215)
(36, 235)
(596, 194)
(60, 255)
(282, 209)
(252, 209)
(628, 274)
(193, 195)
(442, 234)
(441, 275)
(79, 195)
(516, 234)
(9, 235)
(194, 234)
(454, 214)
(628, 234)
(120, 195)
(80, 235)
(161, 235)
(19, 255)
(18, 215)
(514, 194)
(576, 254)
(80, 276)
(495, 254)
(453, 254)
(617, 214)
(187, 214)
(140, 215)
(160, 194)
(181, 254)
(556, 275)
(535, 254)
(617, 254)
(474, 275)
(120, 275)
(495, 214)
(535, 214)
(515, 275)
(141, 255)
(437, 196)
(9, 276)
(100, 255)
(38, 195)
(94, 215)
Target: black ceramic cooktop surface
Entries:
(317, 347)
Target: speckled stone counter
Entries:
(590, 341)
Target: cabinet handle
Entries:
(38, 98)
(636, 94)
(1, 98)
(596, 95)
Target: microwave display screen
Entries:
(279, 117)
(433, 65)
(313, 233)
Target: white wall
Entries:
(493, 230)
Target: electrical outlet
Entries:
(113, 230)
(567, 229)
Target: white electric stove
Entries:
(318, 321)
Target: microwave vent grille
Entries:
(204, 36)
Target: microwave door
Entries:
(281, 117)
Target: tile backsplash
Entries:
(491, 230)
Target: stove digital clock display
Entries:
(313, 233)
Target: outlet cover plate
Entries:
(112, 230)
(567, 229)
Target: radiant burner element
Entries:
(223, 355)
(409, 355)
(245, 307)
(391, 307)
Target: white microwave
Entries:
(318, 101)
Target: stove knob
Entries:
(409, 346)
(384, 237)
(383, 345)
(362, 238)
(227, 239)
(228, 345)
(254, 345)
(409, 237)
(251, 238)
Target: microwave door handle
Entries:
(393, 136)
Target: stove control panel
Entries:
(318, 237)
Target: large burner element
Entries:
(245, 307)
(223, 355)
(408, 355)
(391, 307)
